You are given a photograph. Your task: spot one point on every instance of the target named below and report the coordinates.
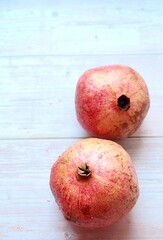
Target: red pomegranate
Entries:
(94, 183)
(111, 101)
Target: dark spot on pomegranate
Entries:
(67, 217)
(86, 210)
(125, 125)
(123, 102)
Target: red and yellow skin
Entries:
(101, 195)
(96, 100)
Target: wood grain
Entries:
(45, 46)
(93, 27)
(38, 94)
(28, 209)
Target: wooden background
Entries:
(44, 48)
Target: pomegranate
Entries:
(94, 183)
(111, 101)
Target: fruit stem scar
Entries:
(123, 102)
(84, 170)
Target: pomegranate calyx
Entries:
(84, 170)
(123, 102)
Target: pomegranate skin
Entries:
(104, 193)
(111, 101)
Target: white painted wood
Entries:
(91, 27)
(28, 209)
(44, 48)
(37, 94)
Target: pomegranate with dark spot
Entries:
(94, 183)
(111, 101)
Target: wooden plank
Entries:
(44, 48)
(27, 207)
(59, 27)
(37, 94)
